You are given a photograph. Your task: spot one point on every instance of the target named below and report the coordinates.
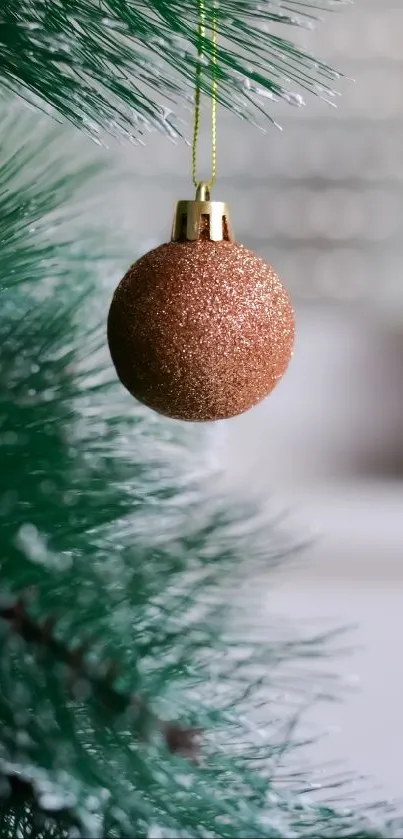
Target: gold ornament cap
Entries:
(201, 219)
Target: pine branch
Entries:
(102, 514)
(123, 66)
(179, 740)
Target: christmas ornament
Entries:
(201, 328)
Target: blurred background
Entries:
(322, 200)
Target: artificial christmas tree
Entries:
(131, 699)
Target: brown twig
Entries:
(179, 740)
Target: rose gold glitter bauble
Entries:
(202, 329)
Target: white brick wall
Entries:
(323, 199)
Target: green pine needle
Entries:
(40, 197)
(115, 64)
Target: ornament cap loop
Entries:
(201, 219)
(203, 192)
